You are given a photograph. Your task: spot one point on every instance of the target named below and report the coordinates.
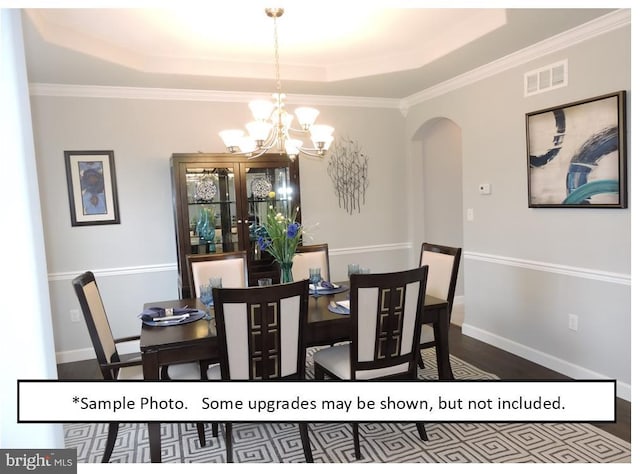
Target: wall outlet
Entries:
(573, 322)
(74, 314)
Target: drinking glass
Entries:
(315, 278)
(264, 281)
(364, 270)
(352, 268)
(206, 295)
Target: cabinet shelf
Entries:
(254, 200)
(203, 202)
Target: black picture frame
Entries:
(577, 154)
(91, 184)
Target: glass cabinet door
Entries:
(213, 214)
(220, 205)
(266, 186)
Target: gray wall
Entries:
(135, 261)
(527, 269)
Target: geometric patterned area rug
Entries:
(380, 442)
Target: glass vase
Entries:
(286, 275)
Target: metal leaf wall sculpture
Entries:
(348, 167)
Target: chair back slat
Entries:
(95, 317)
(443, 263)
(385, 313)
(311, 256)
(260, 331)
(231, 266)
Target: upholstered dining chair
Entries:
(311, 256)
(260, 337)
(112, 366)
(385, 309)
(443, 263)
(231, 266)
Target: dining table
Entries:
(197, 340)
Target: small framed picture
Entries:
(576, 154)
(91, 182)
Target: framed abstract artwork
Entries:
(576, 154)
(91, 183)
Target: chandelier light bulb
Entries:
(231, 139)
(306, 116)
(259, 131)
(321, 132)
(292, 147)
(261, 109)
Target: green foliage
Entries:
(283, 235)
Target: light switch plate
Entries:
(470, 214)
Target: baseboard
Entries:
(76, 355)
(541, 358)
(457, 312)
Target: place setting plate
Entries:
(160, 317)
(339, 307)
(328, 290)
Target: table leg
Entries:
(151, 371)
(441, 335)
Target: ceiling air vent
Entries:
(546, 78)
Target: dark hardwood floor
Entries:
(508, 366)
(484, 356)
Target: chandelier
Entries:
(271, 128)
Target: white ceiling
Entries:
(363, 51)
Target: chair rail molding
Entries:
(172, 267)
(371, 248)
(109, 272)
(578, 272)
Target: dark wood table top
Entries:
(324, 327)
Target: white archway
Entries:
(438, 146)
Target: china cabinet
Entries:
(220, 201)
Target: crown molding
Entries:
(605, 24)
(592, 29)
(148, 93)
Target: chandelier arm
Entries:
(262, 151)
(311, 152)
(271, 139)
(299, 130)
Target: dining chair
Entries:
(112, 365)
(385, 309)
(443, 263)
(231, 266)
(311, 256)
(260, 338)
